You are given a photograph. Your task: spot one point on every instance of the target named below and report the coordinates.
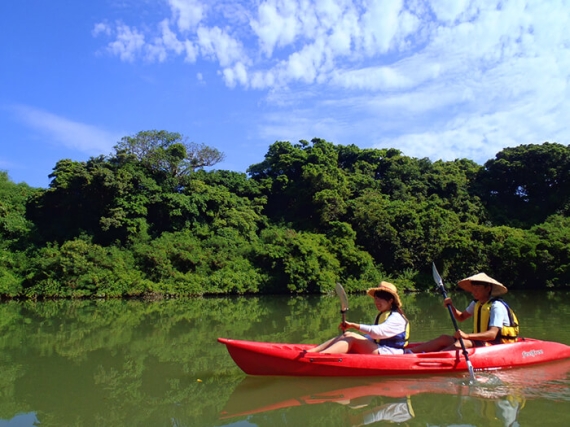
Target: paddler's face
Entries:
(481, 292)
(383, 304)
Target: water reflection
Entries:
(114, 363)
(142, 363)
(497, 398)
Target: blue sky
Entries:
(440, 79)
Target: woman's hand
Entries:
(348, 325)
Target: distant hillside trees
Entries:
(14, 233)
(524, 185)
(149, 220)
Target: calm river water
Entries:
(157, 363)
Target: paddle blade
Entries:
(438, 281)
(343, 298)
(436, 276)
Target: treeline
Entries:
(149, 220)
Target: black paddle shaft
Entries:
(437, 279)
(450, 309)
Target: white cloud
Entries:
(382, 78)
(217, 44)
(236, 74)
(128, 44)
(367, 45)
(167, 41)
(381, 24)
(478, 138)
(75, 135)
(188, 13)
(191, 51)
(448, 10)
(262, 79)
(101, 28)
(455, 78)
(276, 25)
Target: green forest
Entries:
(156, 219)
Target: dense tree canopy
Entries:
(150, 220)
(524, 185)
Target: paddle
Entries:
(439, 283)
(343, 309)
(343, 301)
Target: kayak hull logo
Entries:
(532, 353)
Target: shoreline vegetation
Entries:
(156, 220)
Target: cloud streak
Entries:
(77, 136)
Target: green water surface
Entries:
(157, 363)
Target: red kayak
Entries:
(266, 358)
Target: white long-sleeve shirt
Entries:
(395, 324)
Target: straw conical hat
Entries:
(498, 288)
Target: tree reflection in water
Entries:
(118, 363)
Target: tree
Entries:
(138, 193)
(524, 185)
(103, 198)
(82, 269)
(168, 152)
(296, 262)
(402, 235)
(303, 183)
(14, 227)
(552, 252)
(309, 215)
